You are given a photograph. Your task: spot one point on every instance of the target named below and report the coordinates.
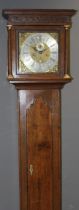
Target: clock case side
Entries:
(34, 21)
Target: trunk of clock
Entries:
(39, 149)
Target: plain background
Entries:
(9, 184)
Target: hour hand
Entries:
(39, 51)
(34, 48)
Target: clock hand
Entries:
(38, 50)
(34, 48)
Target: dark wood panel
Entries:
(39, 137)
(39, 149)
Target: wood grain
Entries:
(40, 147)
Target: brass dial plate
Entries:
(38, 52)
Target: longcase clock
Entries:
(38, 65)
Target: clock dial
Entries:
(38, 52)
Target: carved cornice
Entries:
(39, 20)
(38, 17)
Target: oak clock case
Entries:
(38, 66)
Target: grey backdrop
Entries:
(9, 187)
